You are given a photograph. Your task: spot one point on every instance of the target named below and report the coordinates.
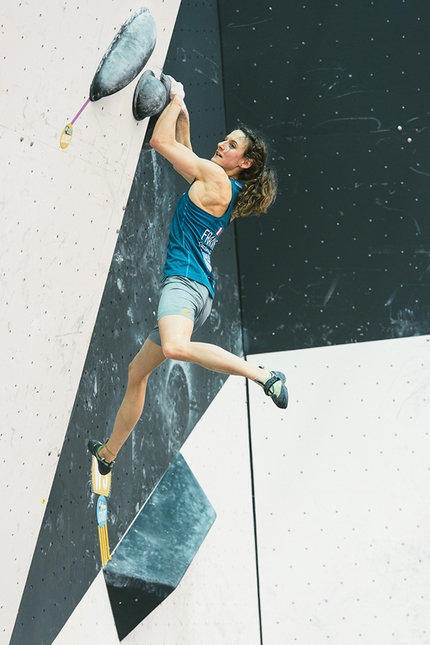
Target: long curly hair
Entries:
(260, 181)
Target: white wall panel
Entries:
(61, 210)
(91, 618)
(216, 601)
(342, 483)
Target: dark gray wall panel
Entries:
(66, 557)
(344, 255)
(158, 548)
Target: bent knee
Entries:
(175, 350)
(135, 374)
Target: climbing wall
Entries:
(61, 213)
(341, 483)
(58, 551)
(321, 523)
(217, 600)
(342, 478)
(340, 93)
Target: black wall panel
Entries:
(67, 556)
(340, 89)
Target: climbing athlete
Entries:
(235, 182)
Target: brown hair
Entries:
(260, 182)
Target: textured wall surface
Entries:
(341, 482)
(339, 90)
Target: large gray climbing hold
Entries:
(126, 56)
(158, 548)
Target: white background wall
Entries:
(342, 486)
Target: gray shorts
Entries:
(183, 297)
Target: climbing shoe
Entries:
(104, 466)
(275, 387)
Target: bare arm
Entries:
(211, 189)
(182, 135)
(164, 140)
(183, 128)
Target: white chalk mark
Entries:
(212, 62)
(354, 118)
(417, 225)
(391, 298)
(330, 87)
(331, 290)
(380, 203)
(213, 76)
(420, 172)
(325, 69)
(340, 96)
(209, 76)
(271, 297)
(249, 24)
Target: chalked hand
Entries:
(176, 88)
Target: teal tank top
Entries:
(192, 238)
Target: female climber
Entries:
(235, 182)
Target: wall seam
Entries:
(254, 514)
(251, 462)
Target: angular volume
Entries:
(158, 548)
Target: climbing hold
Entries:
(126, 56)
(150, 96)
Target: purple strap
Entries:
(80, 111)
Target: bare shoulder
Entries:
(212, 190)
(209, 171)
